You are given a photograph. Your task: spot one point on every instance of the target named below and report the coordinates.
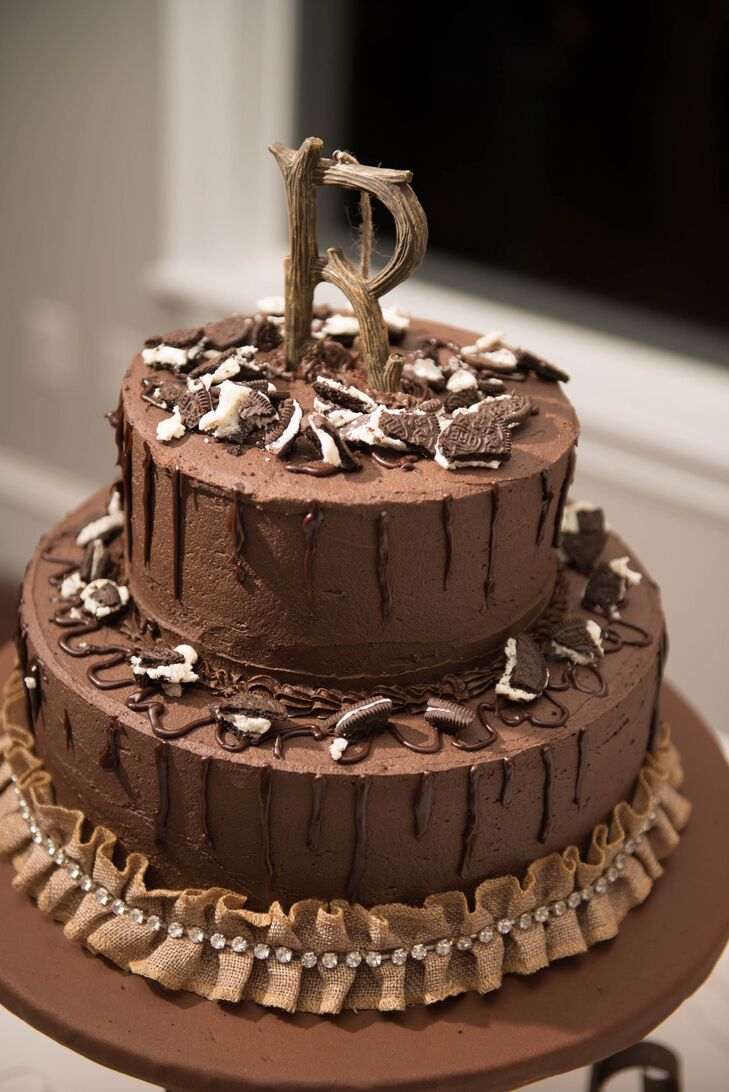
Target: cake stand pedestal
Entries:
(574, 1013)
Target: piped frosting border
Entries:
(324, 957)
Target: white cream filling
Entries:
(249, 726)
(397, 320)
(31, 684)
(291, 430)
(271, 305)
(223, 421)
(340, 326)
(463, 464)
(329, 450)
(72, 585)
(173, 676)
(100, 610)
(619, 565)
(484, 343)
(112, 521)
(170, 428)
(337, 415)
(461, 380)
(425, 368)
(595, 634)
(337, 748)
(170, 357)
(368, 431)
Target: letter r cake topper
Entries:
(305, 169)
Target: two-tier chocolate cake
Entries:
(335, 699)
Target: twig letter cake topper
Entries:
(305, 169)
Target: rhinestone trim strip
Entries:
(329, 960)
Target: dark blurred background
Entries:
(584, 144)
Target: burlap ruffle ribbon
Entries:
(337, 926)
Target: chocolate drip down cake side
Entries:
(335, 697)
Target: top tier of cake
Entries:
(394, 574)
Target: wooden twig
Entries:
(392, 372)
(302, 171)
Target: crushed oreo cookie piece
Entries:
(448, 716)
(257, 410)
(344, 395)
(502, 361)
(583, 534)
(426, 370)
(172, 668)
(330, 443)
(193, 404)
(472, 439)
(362, 719)
(527, 361)
(266, 335)
(103, 597)
(460, 400)
(178, 355)
(486, 343)
(227, 332)
(577, 640)
(604, 592)
(461, 379)
(608, 585)
(226, 420)
(281, 437)
(167, 393)
(364, 431)
(417, 430)
(183, 339)
(248, 715)
(492, 386)
(105, 527)
(525, 673)
(95, 563)
(512, 409)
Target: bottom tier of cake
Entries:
(324, 957)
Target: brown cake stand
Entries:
(572, 1014)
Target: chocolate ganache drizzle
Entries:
(163, 791)
(264, 804)
(359, 857)
(126, 469)
(237, 530)
(149, 477)
(318, 796)
(490, 583)
(447, 517)
(311, 524)
(545, 479)
(569, 474)
(178, 487)
(548, 763)
(470, 833)
(423, 804)
(383, 565)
